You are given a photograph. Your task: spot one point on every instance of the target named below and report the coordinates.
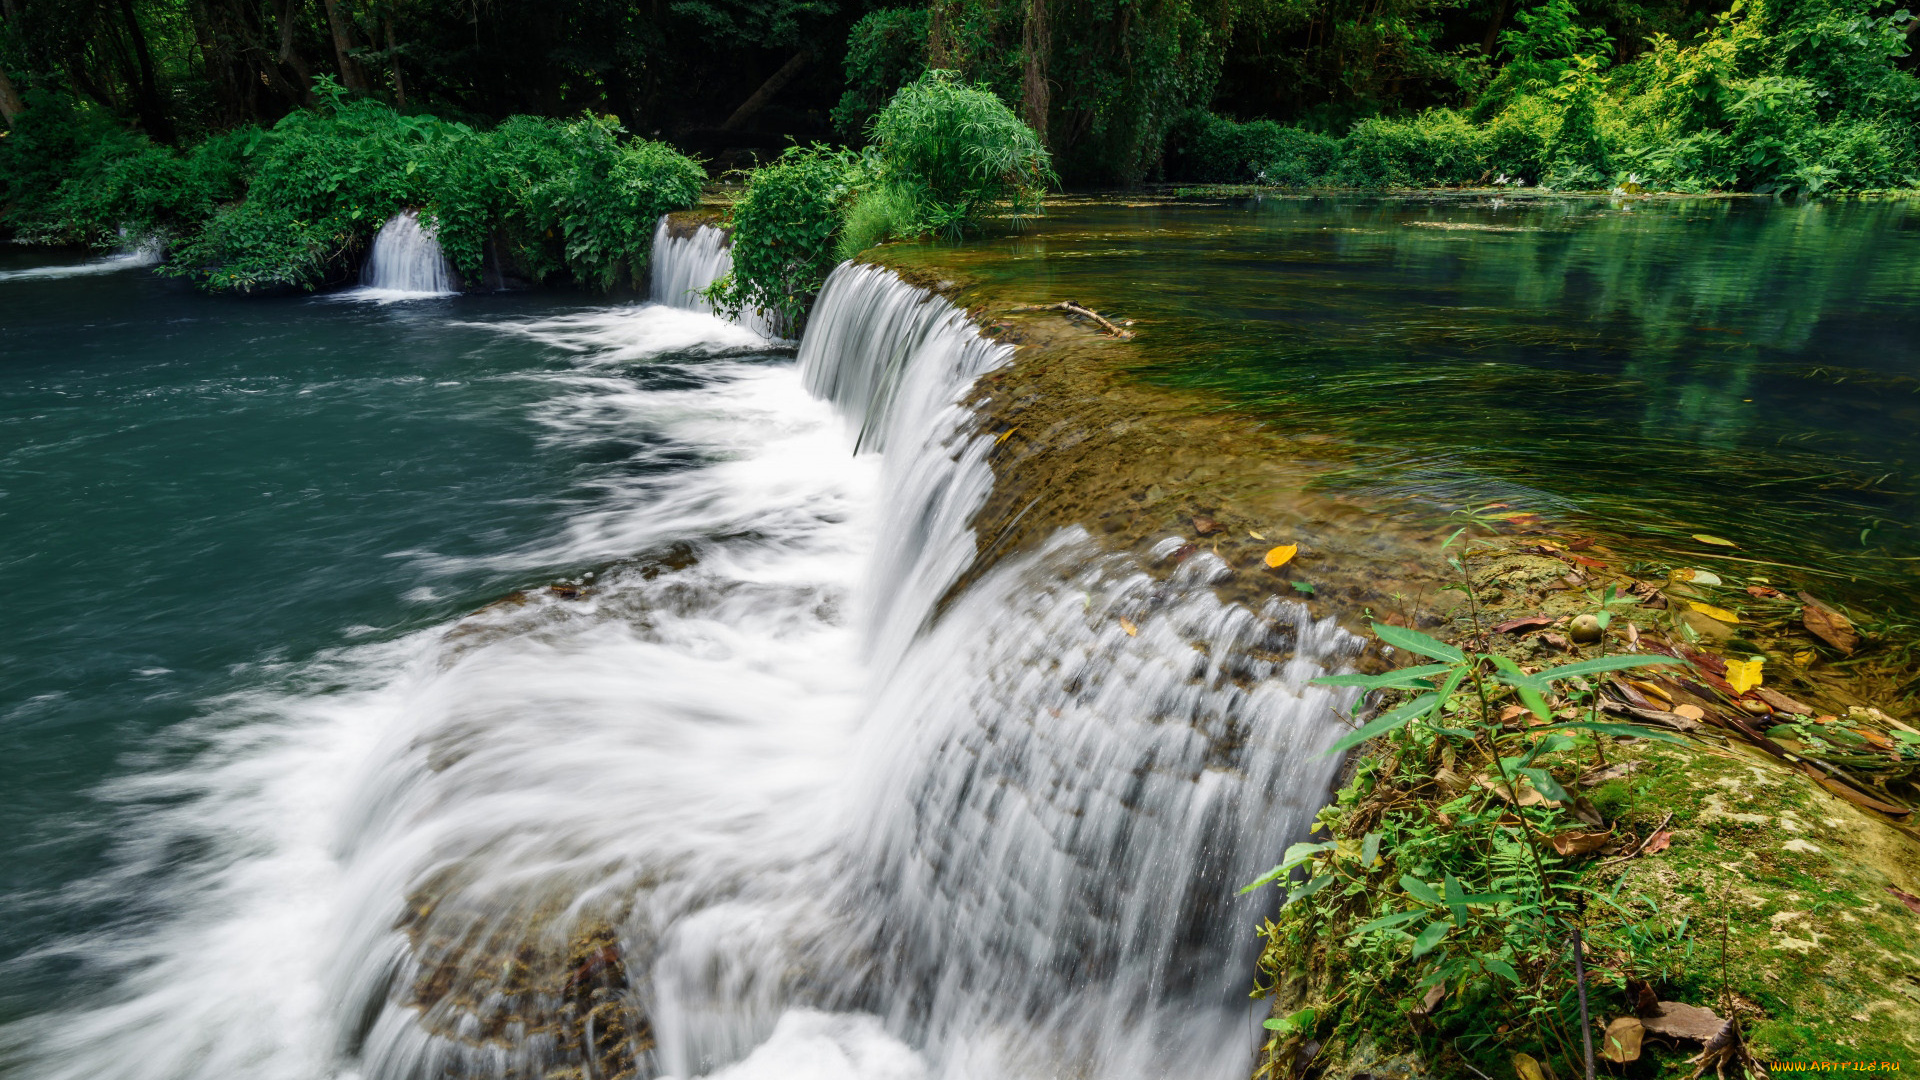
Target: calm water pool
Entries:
(1740, 368)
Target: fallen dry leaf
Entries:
(1434, 996)
(1857, 798)
(1828, 625)
(1657, 843)
(1528, 796)
(1763, 592)
(1907, 898)
(1781, 702)
(1580, 843)
(1132, 629)
(1651, 689)
(1204, 525)
(1526, 1068)
(1691, 712)
(1255, 535)
(1623, 1040)
(1716, 541)
(1558, 641)
(1712, 612)
(1282, 555)
(1513, 712)
(1581, 543)
(1744, 675)
(1696, 577)
(1523, 624)
(1680, 1021)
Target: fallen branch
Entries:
(1072, 308)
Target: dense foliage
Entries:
(293, 204)
(1776, 95)
(942, 156)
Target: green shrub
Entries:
(785, 228)
(959, 151)
(1437, 147)
(1214, 149)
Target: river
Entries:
(515, 686)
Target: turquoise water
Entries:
(1743, 368)
(196, 493)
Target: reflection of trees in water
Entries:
(1671, 365)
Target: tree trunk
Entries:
(1038, 44)
(290, 57)
(350, 74)
(10, 104)
(393, 64)
(147, 102)
(1493, 28)
(774, 84)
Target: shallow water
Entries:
(1740, 368)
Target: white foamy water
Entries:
(819, 830)
(144, 256)
(683, 267)
(405, 263)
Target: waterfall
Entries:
(763, 796)
(407, 261)
(683, 266)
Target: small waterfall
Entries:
(1053, 813)
(766, 797)
(683, 267)
(406, 260)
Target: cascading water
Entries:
(406, 261)
(763, 800)
(683, 267)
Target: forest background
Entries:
(263, 140)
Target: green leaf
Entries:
(1605, 663)
(1388, 922)
(1416, 642)
(1293, 1024)
(1634, 731)
(1420, 890)
(1370, 850)
(1545, 784)
(1392, 680)
(1531, 691)
(1392, 721)
(1456, 900)
(1500, 967)
(1430, 937)
(1311, 887)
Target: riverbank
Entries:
(1787, 814)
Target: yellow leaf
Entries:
(1744, 675)
(1803, 657)
(1712, 612)
(1255, 535)
(1526, 1068)
(1714, 540)
(1282, 555)
(1128, 625)
(1005, 435)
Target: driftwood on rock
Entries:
(1108, 326)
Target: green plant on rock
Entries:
(785, 229)
(1466, 896)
